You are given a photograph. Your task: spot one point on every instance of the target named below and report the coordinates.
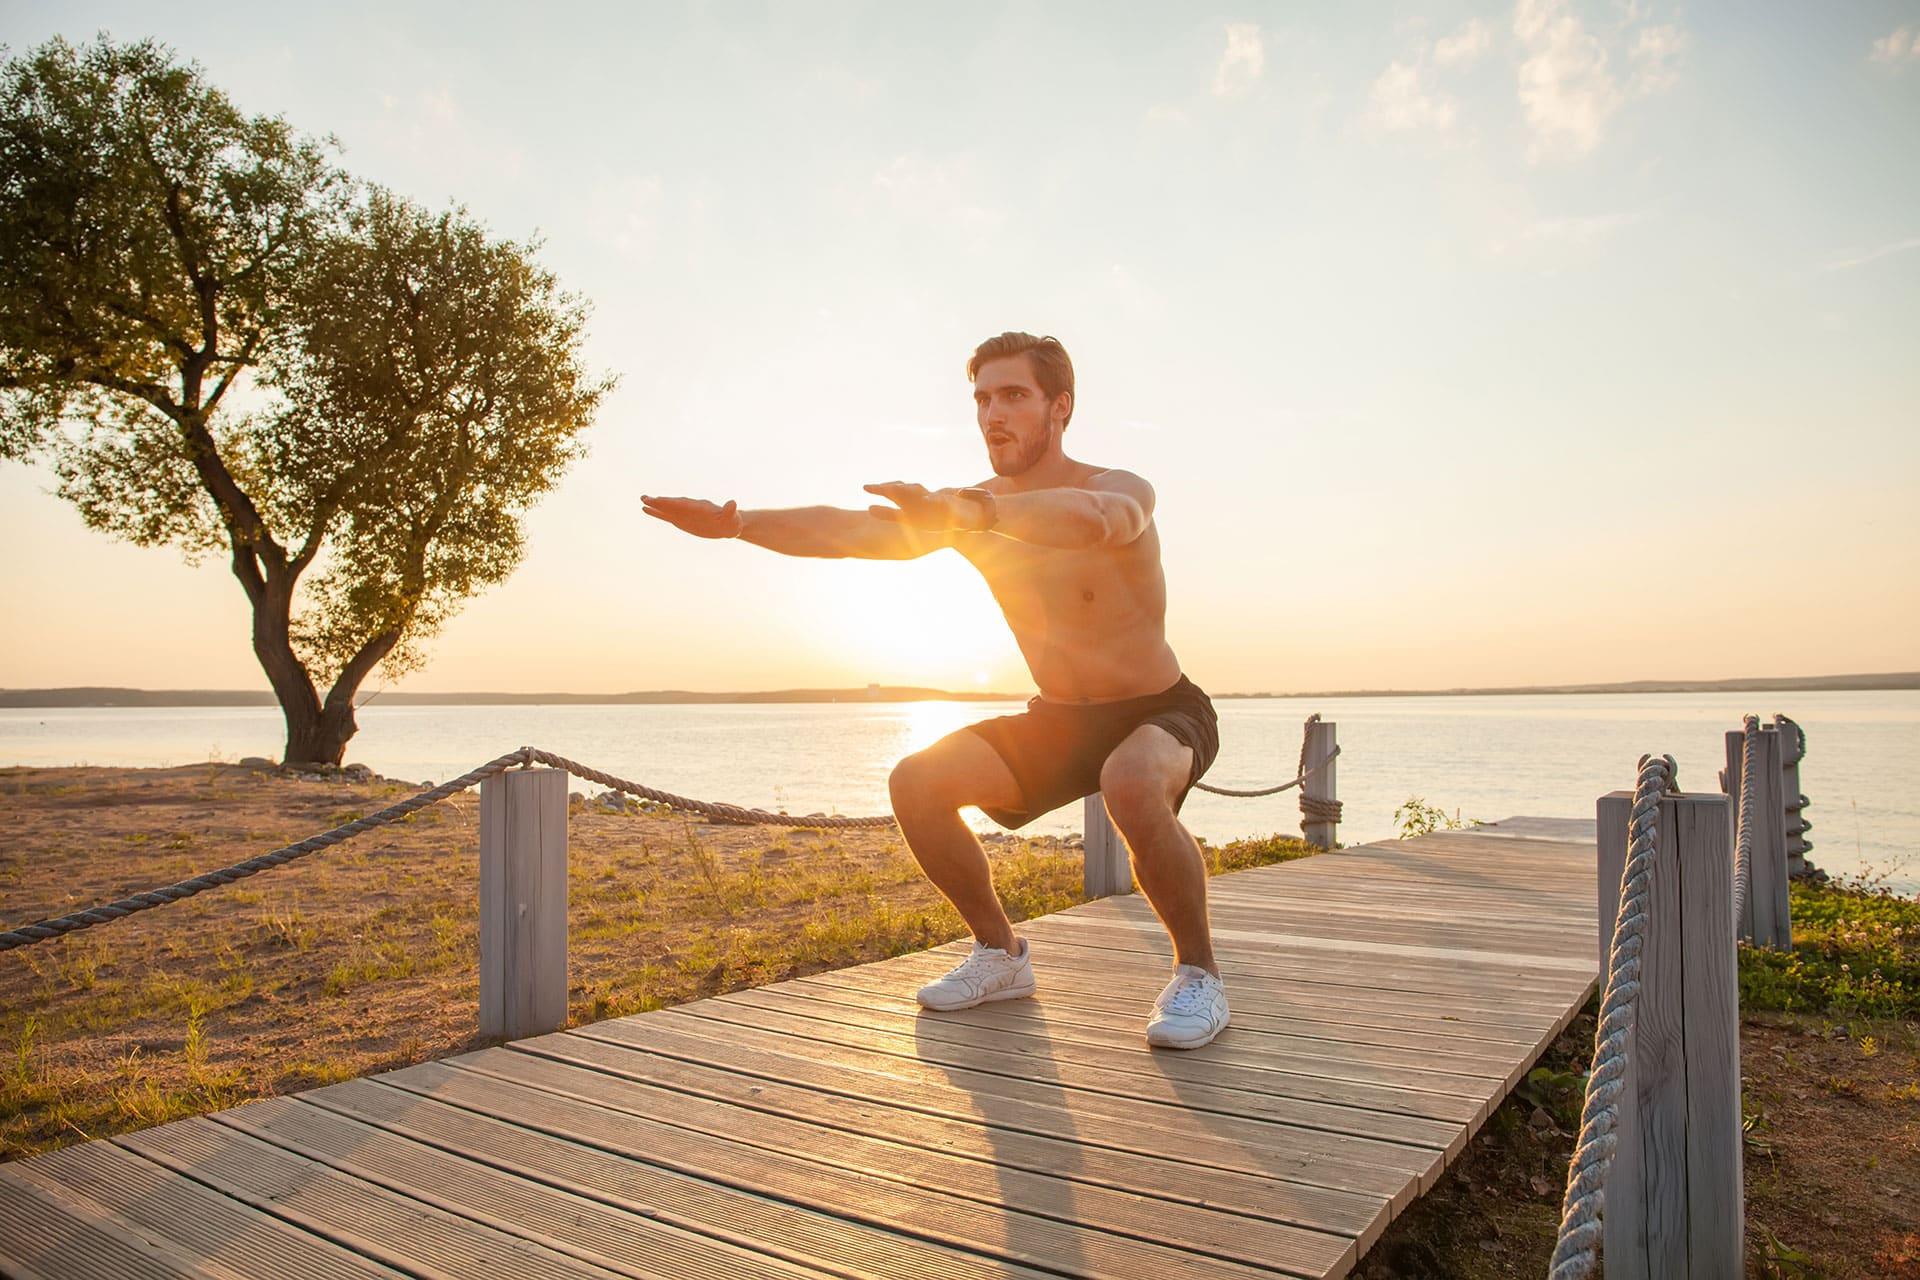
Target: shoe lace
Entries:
(1189, 997)
(976, 960)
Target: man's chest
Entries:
(1061, 584)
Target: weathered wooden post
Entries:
(1106, 869)
(1673, 1199)
(1764, 921)
(1792, 751)
(1321, 738)
(523, 903)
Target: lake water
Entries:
(1487, 757)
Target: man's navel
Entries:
(1086, 595)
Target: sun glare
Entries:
(922, 627)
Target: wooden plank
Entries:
(659, 1190)
(1113, 980)
(1388, 976)
(1070, 950)
(1070, 1000)
(404, 1233)
(200, 1225)
(1395, 1046)
(1320, 1057)
(1441, 920)
(1571, 830)
(1039, 1221)
(992, 1050)
(1034, 1107)
(47, 1234)
(1299, 1216)
(1710, 990)
(576, 1225)
(1368, 940)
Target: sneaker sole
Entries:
(1188, 1044)
(1009, 993)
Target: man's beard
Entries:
(1030, 455)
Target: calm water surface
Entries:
(1487, 757)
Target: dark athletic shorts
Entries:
(1055, 750)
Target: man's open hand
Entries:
(923, 508)
(696, 516)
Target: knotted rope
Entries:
(1575, 1251)
(1797, 824)
(1312, 807)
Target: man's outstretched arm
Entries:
(1109, 509)
(799, 531)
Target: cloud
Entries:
(626, 214)
(1656, 55)
(1884, 251)
(1400, 100)
(1580, 230)
(1528, 237)
(1465, 45)
(1898, 46)
(1243, 61)
(937, 191)
(1568, 92)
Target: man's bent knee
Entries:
(917, 783)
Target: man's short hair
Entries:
(1051, 367)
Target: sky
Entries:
(1463, 345)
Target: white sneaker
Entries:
(1190, 1011)
(988, 973)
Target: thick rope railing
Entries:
(42, 930)
(1576, 1250)
(1797, 824)
(1743, 841)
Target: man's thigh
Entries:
(1151, 761)
(968, 771)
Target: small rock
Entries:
(1540, 1119)
(256, 763)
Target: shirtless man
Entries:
(1072, 555)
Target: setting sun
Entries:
(930, 622)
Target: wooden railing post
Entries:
(523, 903)
(1673, 1199)
(1320, 743)
(1765, 921)
(1106, 870)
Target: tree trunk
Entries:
(313, 736)
(320, 738)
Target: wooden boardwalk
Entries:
(1385, 999)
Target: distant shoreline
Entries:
(104, 696)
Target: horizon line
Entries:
(111, 695)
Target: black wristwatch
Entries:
(993, 509)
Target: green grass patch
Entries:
(1856, 954)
